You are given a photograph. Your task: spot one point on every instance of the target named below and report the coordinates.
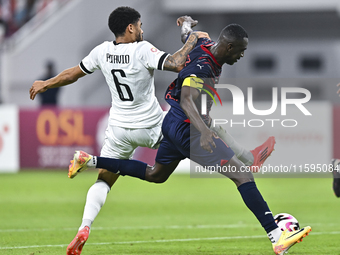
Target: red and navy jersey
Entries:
(202, 64)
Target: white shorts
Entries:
(120, 143)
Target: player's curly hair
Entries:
(121, 17)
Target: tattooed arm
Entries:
(176, 61)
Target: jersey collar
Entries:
(204, 47)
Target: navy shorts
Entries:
(182, 140)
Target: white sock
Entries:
(274, 235)
(241, 153)
(95, 199)
(92, 162)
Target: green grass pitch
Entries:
(40, 213)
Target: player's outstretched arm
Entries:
(176, 61)
(66, 77)
(186, 23)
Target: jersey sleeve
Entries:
(150, 56)
(90, 63)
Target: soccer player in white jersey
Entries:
(128, 64)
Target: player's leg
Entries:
(167, 159)
(120, 144)
(226, 163)
(95, 199)
(233, 168)
(251, 196)
(159, 173)
(241, 153)
(253, 158)
(96, 196)
(281, 241)
(168, 154)
(117, 144)
(335, 169)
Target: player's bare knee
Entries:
(153, 175)
(156, 178)
(161, 179)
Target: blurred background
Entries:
(291, 44)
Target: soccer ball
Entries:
(286, 221)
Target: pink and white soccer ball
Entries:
(286, 221)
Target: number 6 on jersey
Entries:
(120, 85)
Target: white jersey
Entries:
(129, 72)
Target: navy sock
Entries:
(128, 167)
(255, 202)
